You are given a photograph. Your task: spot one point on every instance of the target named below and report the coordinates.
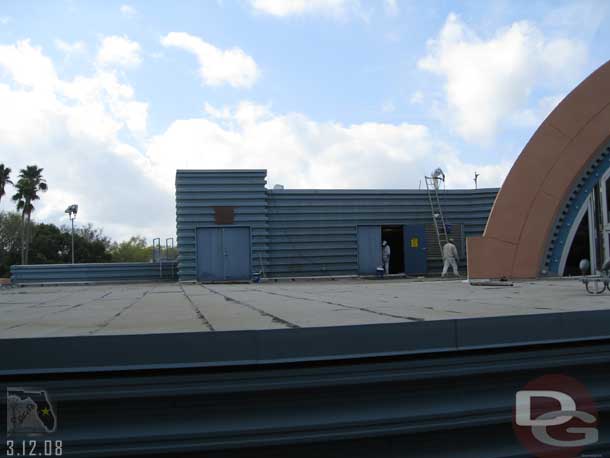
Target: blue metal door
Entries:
(369, 249)
(236, 246)
(223, 253)
(415, 249)
(209, 254)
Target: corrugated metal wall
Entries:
(310, 232)
(313, 232)
(98, 272)
(199, 191)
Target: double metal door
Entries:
(223, 253)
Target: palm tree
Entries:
(5, 178)
(29, 184)
(22, 206)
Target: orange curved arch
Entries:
(526, 208)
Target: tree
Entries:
(5, 178)
(50, 244)
(132, 250)
(28, 186)
(90, 244)
(10, 227)
(92, 234)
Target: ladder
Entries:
(432, 185)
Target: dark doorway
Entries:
(395, 238)
(579, 249)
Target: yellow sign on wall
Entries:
(415, 242)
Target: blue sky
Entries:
(111, 97)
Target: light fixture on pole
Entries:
(72, 210)
(437, 176)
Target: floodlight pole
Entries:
(72, 219)
(71, 211)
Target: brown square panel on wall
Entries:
(224, 215)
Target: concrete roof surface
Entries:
(49, 311)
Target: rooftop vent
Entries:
(278, 186)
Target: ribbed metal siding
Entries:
(199, 191)
(100, 272)
(313, 232)
(308, 232)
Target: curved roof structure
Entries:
(540, 182)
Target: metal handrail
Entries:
(158, 240)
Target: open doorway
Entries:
(579, 249)
(395, 238)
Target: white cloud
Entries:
(27, 65)
(69, 49)
(329, 8)
(90, 135)
(460, 174)
(391, 7)
(128, 10)
(568, 18)
(301, 153)
(118, 51)
(532, 116)
(488, 80)
(104, 96)
(86, 134)
(232, 66)
(223, 114)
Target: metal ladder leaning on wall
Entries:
(432, 185)
(158, 252)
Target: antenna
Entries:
(476, 179)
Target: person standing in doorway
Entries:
(450, 258)
(385, 256)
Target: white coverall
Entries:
(450, 258)
(385, 256)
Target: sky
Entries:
(110, 98)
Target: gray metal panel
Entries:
(99, 272)
(198, 191)
(209, 254)
(369, 249)
(236, 246)
(309, 232)
(314, 232)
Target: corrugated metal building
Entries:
(230, 225)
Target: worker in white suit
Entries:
(450, 258)
(385, 256)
